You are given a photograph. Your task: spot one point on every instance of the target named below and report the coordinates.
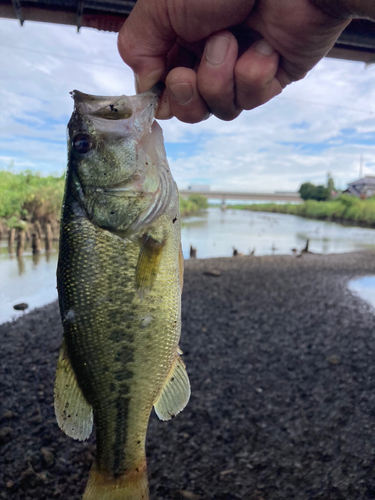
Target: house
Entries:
(362, 188)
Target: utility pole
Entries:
(361, 167)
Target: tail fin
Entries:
(131, 486)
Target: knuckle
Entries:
(213, 88)
(248, 77)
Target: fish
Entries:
(119, 280)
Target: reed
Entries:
(345, 208)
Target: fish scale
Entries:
(119, 282)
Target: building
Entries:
(362, 188)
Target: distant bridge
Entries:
(227, 195)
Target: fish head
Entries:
(117, 160)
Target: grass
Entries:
(194, 204)
(28, 197)
(345, 208)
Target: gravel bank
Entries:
(281, 361)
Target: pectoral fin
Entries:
(73, 413)
(148, 264)
(176, 392)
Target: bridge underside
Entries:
(356, 43)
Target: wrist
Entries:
(347, 8)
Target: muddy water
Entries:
(28, 279)
(214, 234)
(365, 288)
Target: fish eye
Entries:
(82, 143)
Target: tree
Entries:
(308, 191)
(330, 183)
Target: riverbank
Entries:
(280, 358)
(31, 205)
(346, 209)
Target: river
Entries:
(213, 234)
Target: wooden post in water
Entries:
(38, 229)
(27, 233)
(35, 243)
(11, 235)
(48, 236)
(20, 241)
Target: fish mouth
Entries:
(115, 108)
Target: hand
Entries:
(223, 56)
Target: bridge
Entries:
(235, 195)
(356, 43)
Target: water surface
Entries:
(365, 288)
(30, 279)
(214, 234)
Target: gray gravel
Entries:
(281, 361)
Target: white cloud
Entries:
(277, 146)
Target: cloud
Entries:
(323, 123)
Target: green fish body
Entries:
(119, 281)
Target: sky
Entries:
(321, 124)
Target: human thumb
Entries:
(144, 42)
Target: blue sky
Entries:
(323, 123)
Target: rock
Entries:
(9, 414)
(21, 307)
(48, 456)
(213, 273)
(334, 360)
(188, 494)
(225, 472)
(5, 432)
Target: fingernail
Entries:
(216, 49)
(264, 48)
(181, 92)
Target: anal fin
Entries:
(73, 413)
(175, 393)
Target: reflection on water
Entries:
(26, 278)
(32, 278)
(215, 233)
(365, 288)
(21, 264)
